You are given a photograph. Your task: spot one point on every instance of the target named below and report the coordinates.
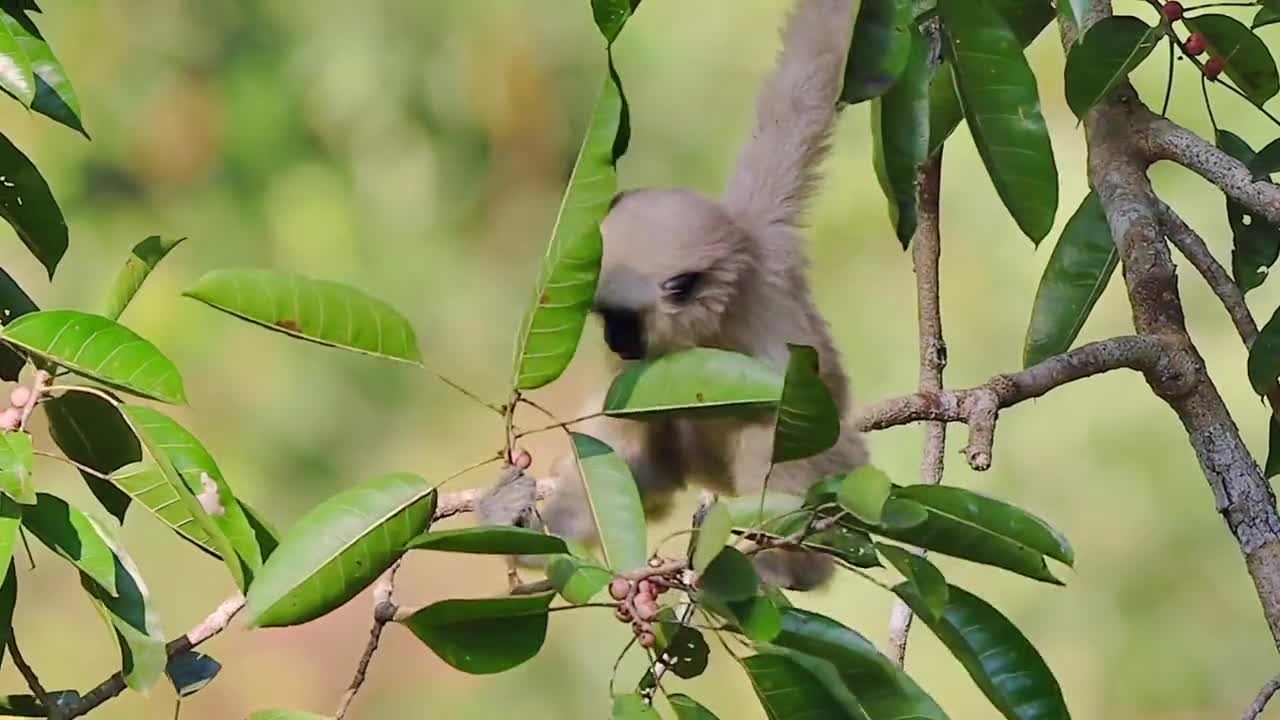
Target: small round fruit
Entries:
(10, 419)
(1172, 10)
(522, 459)
(647, 640)
(646, 588)
(1214, 67)
(1195, 45)
(646, 608)
(20, 396)
(622, 613)
(619, 588)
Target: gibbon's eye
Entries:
(680, 288)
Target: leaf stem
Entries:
(82, 468)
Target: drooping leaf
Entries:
(689, 709)
(576, 580)
(729, 577)
(17, 77)
(142, 260)
(808, 418)
(92, 432)
(339, 548)
(14, 303)
(1255, 242)
(1266, 16)
(900, 138)
(96, 347)
(712, 535)
(863, 493)
(1083, 261)
(16, 458)
(133, 621)
(924, 577)
(1112, 48)
(494, 540)
(286, 715)
(74, 536)
(54, 96)
(145, 482)
(632, 706)
(487, 636)
(998, 92)
(705, 380)
(615, 503)
(1266, 162)
(882, 688)
(1003, 663)
(790, 690)
(321, 311)
(1249, 62)
(191, 671)
(880, 49)
(266, 534)
(8, 601)
(27, 204)
(1264, 357)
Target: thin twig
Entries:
(1264, 696)
(29, 674)
(558, 425)
(384, 611)
(38, 385)
(470, 395)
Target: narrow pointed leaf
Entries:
(145, 482)
(632, 707)
(102, 349)
(900, 138)
(615, 503)
(268, 537)
(788, 690)
(1112, 48)
(1003, 663)
(999, 517)
(997, 90)
(864, 492)
(1266, 162)
(321, 311)
(92, 432)
(74, 536)
(496, 540)
(689, 709)
(1266, 16)
(1264, 357)
(1272, 467)
(924, 577)
(1082, 263)
(702, 379)
(612, 15)
(882, 688)
(27, 204)
(8, 601)
(577, 581)
(880, 49)
(132, 619)
(808, 419)
(487, 636)
(191, 671)
(14, 303)
(54, 96)
(10, 523)
(16, 458)
(1255, 242)
(142, 260)
(712, 536)
(339, 548)
(17, 77)
(1249, 62)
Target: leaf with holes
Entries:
(880, 50)
(28, 205)
(615, 503)
(808, 418)
(1255, 242)
(142, 260)
(1082, 263)
(495, 540)
(339, 548)
(74, 536)
(1248, 61)
(486, 636)
(99, 348)
(14, 303)
(320, 311)
(682, 649)
(91, 431)
(900, 138)
(1112, 48)
(701, 380)
(16, 458)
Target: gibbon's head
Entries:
(672, 265)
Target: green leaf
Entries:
(980, 510)
(758, 617)
(1255, 242)
(495, 540)
(1265, 162)
(14, 303)
(900, 514)
(339, 548)
(1266, 16)
(923, 576)
(286, 715)
(266, 534)
(29, 706)
(808, 419)
(1026, 19)
(8, 601)
(864, 492)
(191, 671)
(321, 311)
(1273, 448)
(615, 503)
(17, 77)
(74, 536)
(133, 621)
(16, 458)
(145, 482)
(27, 204)
(682, 649)
(54, 95)
(852, 546)
(1005, 666)
(997, 90)
(1249, 62)
(632, 707)
(717, 525)
(1082, 263)
(729, 577)
(790, 690)
(142, 260)
(612, 15)
(702, 379)
(882, 688)
(577, 581)
(1264, 357)
(900, 138)
(1074, 11)
(98, 348)
(880, 49)
(689, 709)
(91, 431)
(745, 512)
(10, 522)
(487, 636)
(1112, 48)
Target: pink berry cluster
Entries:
(1196, 44)
(638, 605)
(11, 416)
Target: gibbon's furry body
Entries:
(680, 270)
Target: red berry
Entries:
(20, 396)
(619, 588)
(1172, 10)
(1214, 67)
(1195, 44)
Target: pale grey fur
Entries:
(754, 297)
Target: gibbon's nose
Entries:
(623, 332)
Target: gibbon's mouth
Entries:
(624, 333)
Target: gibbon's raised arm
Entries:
(777, 169)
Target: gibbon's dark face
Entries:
(672, 264)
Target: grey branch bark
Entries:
(1264, 696)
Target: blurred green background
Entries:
(418, 150)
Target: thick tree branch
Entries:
(28, 673)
